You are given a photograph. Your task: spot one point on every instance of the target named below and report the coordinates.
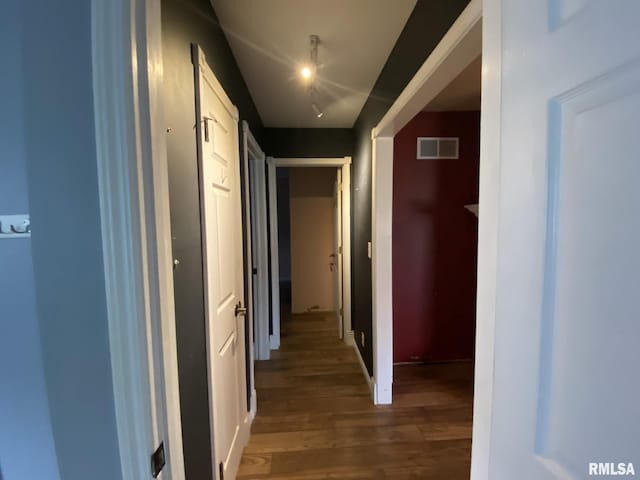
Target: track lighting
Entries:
(319, 113)
(308, 72)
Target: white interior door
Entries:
(223, 266)
(336, 259)
(567, 216)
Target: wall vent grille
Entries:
(432, 148)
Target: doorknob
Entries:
(240, 310)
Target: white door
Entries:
(336, 256)
(566, 387)
(223, 266)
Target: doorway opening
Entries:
(310, 247)
(436, 159)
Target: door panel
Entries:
(568, 264)
(223, 266)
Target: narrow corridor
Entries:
(316, 419)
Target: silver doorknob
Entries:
(240, 310)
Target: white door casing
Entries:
(219, 165)
(558, 240)
(257, 186)
(134, 197)
(344, 165)
(272, 180)
(336, 259)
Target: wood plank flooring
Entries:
(316, 420)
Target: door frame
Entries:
(255, 187)
(458, 48)
(344, 163)
(478, 30)
(136, 231)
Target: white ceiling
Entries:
(270, 41)
(463, 93)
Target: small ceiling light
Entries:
(319, 113)
(306, 73)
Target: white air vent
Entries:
(430, 148)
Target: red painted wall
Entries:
(435, 241)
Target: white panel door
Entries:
(223, 266)
(566, 387)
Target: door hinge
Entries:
(341, 312)
(340, 249)
(221, 471)
(158, 461)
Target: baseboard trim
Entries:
(350, 339)
(382, 394)
(365, 372)
(253, 405)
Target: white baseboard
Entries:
(253, 405)
(365, 372)
(350, 338)
(382, 394)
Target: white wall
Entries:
(27, 449)
(312, 211)
(56, 386)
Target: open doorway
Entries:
(436, 159)
(310, 248)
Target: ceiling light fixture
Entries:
(308, 70)
(308, 73)
(319, 113)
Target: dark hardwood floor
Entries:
(316, 420)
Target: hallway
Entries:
(316, 420)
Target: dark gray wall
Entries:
(185, 22)
(427, 24)
(284, 225)
(62, 184)
(308, 142)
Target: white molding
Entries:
(253, 404)
(350, 338)
(256, 176)
(133, 191)
(344, 163)
(490, 161)
(458, 48)
(310, 162)
(363, 367)
(382, 267)
(248, 250)
(346, 247)
(273, 249)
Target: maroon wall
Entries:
(435, 241)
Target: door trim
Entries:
(273, 248)
(136, 239)
(344, 163)
(461, 45)
(254, 160)
(477, 30)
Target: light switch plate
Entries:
(15, 226)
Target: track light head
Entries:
(319, 113)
